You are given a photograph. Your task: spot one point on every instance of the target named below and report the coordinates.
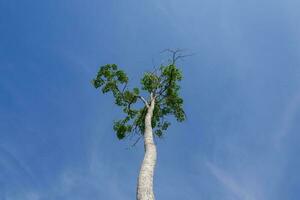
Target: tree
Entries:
(149, 118)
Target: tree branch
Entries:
(176, 54)
(136, 142)
(144, 100)
(125, 86)
(167, 87)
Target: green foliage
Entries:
(162, 84)
(150, 82)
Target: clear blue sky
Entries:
(241, 91)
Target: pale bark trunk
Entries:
(145, 179)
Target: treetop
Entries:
(160, 85)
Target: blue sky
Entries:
(241, 91)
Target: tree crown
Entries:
(161, 85)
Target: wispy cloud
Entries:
(231, 184)
(94, 180)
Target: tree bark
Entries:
(145, 179)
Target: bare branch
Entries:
(136, 141)
(134, 144)
(144, 100)
(176, 55)
(125, 86)
(152, 96)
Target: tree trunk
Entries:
(145, 179)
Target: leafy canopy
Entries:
(162, 83)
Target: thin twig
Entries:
(176, 54)
(136, 141)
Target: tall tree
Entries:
(149, 118)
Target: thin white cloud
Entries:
(230, 183)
